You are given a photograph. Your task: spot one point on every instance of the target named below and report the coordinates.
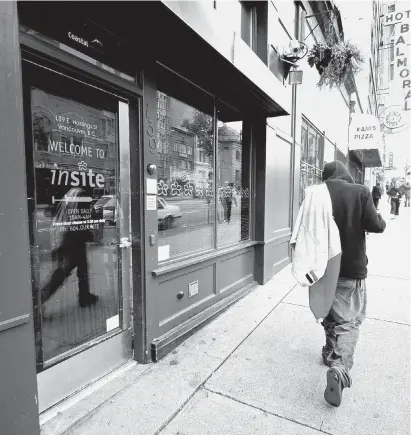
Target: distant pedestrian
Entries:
(376, 194)
(229, 197)
(406, 189)
(395, 194)
(387, 191)
(354, 214)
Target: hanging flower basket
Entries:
(335, 63)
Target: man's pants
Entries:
(342, 326)
(395, 206)
(376, 201)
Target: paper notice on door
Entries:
(163, 252)
(113, 323)
(151, 202)
(151, 186)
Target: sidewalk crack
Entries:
(389, 321)
(227, 396)
(202, 385)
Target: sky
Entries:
(356, 18)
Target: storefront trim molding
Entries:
(12, 323)
(280, 265)
(277, 240)
(163, 345)
(34, 45)
(199, 259)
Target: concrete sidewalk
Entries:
(257, 368)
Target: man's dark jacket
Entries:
(376, 192)
(354, 214)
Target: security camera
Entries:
(295, 50)
(294, 46)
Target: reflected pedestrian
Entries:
(395, 194)
(69, 247)
(229, 197)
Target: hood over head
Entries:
(337, 171)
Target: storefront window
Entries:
(185, 177)
(233, 192)
(329, 152)
(76, 281)
(303, 143)
(312, 152)
(203, 171)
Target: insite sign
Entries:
(77, 178)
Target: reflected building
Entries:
(181, 156)
(230, 155)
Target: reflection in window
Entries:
(185, 177)
(41, 130)
(312, 152)
(75, 286)
(233, 195)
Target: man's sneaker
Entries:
(334, 389)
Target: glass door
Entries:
(77, 140)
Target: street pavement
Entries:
(257, 368)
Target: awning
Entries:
(369, 158)
(365, 140)
(217, 59)
(180, 35)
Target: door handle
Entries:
(124, 243)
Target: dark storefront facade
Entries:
(137, 181)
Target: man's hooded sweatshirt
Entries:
(354, 213)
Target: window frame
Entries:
(315, 168)
(247, 152)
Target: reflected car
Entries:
(167, 214)
(106, 208)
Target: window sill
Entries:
(162, 270)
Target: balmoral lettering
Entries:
(400, 40)
(404, 28)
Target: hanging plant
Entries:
(334, 63)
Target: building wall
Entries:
(166, 307)
(18, 393)
(326, 109)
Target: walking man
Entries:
(354, 214)
(406, 189)
(395, 194)
(387, 190)
(376, 194)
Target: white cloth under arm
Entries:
(316, 238)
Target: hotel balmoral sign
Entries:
(394, 116)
